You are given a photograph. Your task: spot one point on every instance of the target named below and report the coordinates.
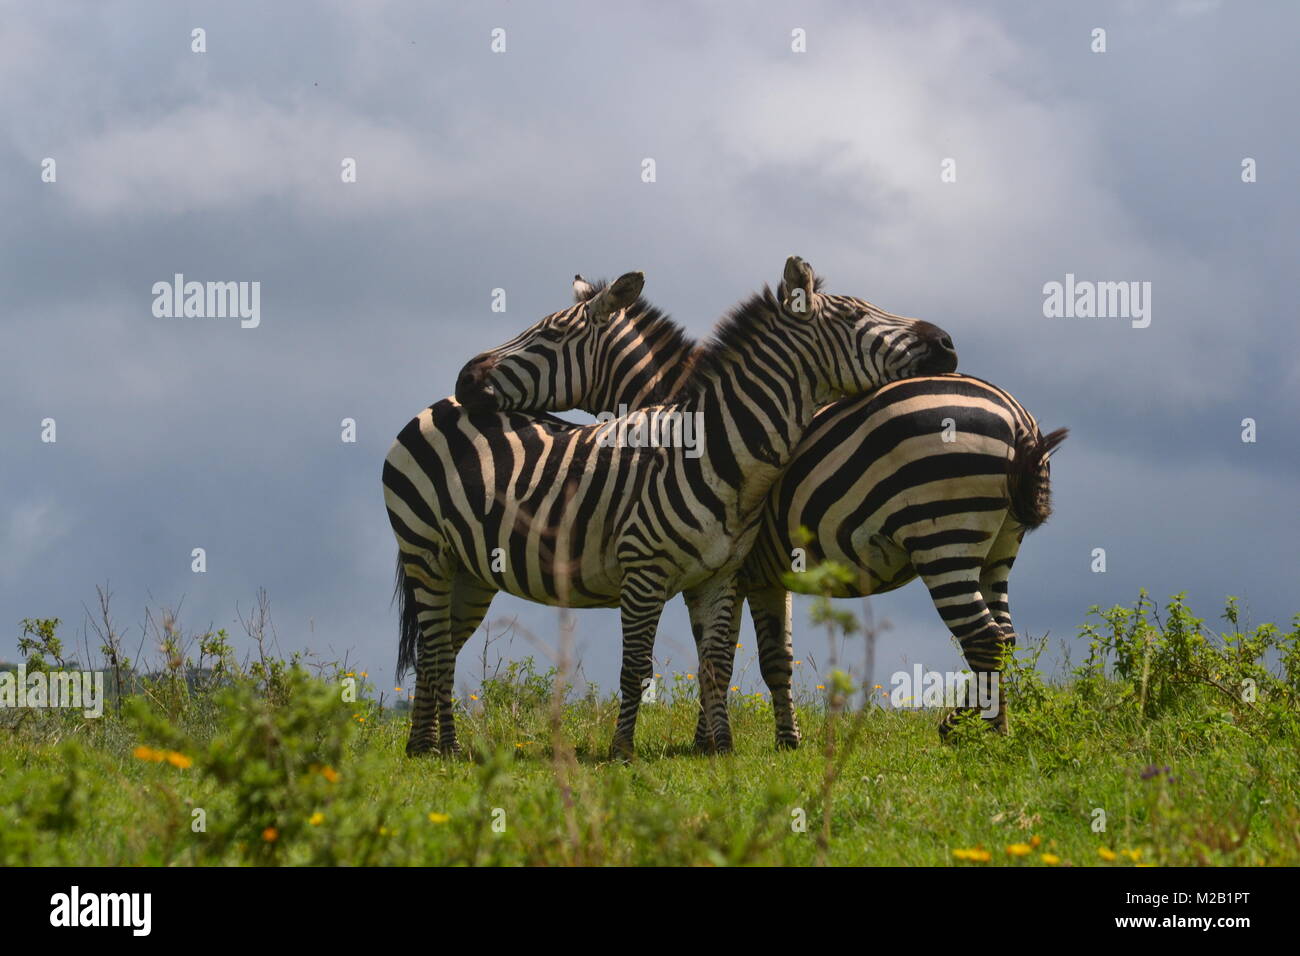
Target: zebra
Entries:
(936, 476)
(482, 498)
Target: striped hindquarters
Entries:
(921, 468)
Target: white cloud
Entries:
(876, 110)
(233, 152)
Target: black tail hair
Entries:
(409, 627)
(1029, 477)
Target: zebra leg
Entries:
(715, 620)
(993, 586)
(996, 571)
(726, 656)
(772, 613)
(958, 599)
(424, 709)
(431, 585)
(703, 733)
(640, 604)
(468, 604)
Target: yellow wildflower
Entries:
(1105, 854)
(1019, 849)
(439, 817)
(316, 819)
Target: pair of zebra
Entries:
(817, 411)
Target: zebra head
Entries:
(859, 347)
(609, 347)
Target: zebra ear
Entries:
(616, 297)
(797, 286)
(582, 289)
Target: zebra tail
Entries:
(409, 626)
(1029, 477)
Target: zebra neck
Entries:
(648, 377)
(752, 420)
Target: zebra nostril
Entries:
(940, 357)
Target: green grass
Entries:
(285, 752)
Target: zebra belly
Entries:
(877, 563)
(540, 563)
(881, 564)
(724, 555)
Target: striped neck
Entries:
(756, 385)
(644, 360)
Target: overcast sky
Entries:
(478, 170)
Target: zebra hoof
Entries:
(1001, 723)
(703, 746)
(419, 748)
(787, 743)
(951, 719)
(622, 750)
(947, 724)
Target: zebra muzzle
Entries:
(473, 391)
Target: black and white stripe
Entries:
(876, 484)
(883, 494)
(584, 524)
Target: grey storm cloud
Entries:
(478, 171)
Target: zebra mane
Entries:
(732, 335)
(669, 342)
